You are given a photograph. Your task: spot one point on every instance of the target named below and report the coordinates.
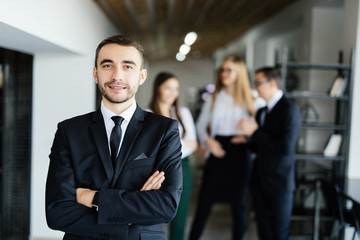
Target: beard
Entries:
(117, 99)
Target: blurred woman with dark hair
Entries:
(165, 102)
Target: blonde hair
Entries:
(242, 94)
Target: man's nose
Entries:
(118, 73)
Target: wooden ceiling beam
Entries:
(161, 25)
(170, 16)
(110, 13)
(203, 13)
(152, 14)
(187, 13)
(133, 16)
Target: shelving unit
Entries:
(312, 165)
(341, 121)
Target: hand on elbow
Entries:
(85, 196)
(154, 181)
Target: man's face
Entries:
(119, 73)
(262, 85)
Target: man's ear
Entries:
(143, 76)
(95, 75)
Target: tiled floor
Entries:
(219, 225)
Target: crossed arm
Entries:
(85, 196)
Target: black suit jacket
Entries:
(275, 145)
(80, 157)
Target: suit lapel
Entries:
(132, 131)
(99, 134)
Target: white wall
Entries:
(73, 25)
(353, 28)
(352, 39)
(62, 35)
(325, 42)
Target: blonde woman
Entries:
(227, 169)
(165, 102)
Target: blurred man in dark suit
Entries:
(273, 136)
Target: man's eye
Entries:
(106, 66)
(128, 67)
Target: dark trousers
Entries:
(273, 211)
(178, 224)
(224, 180)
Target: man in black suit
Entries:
(107, 182)
(273, 136)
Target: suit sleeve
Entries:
(117, 206)
(282, 142)
(62, 211)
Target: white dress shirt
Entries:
(274, 100)
(189, 125)
(109, 123)
(222, 119)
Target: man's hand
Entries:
(215, 148)
(154, 182)
(85, 196)
(248, 126)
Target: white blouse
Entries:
(189, 125)
(222, 120)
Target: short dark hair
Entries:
(123, 40)
(271, 74)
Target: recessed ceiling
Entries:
(161, 25)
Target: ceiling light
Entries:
(190, 38)
(184, 49)
(180, 57)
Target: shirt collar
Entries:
(273, 101)
(127, 114)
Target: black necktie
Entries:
(115, 137)
(264, 115)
